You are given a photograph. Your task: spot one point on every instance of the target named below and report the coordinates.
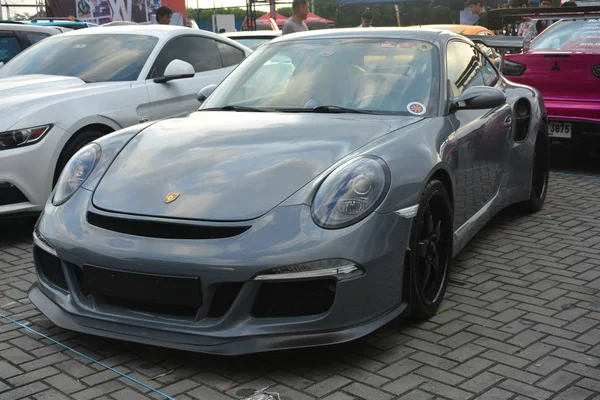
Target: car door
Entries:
(179, 95)
(10, 45)
(482, 135)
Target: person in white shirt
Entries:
(367, 19)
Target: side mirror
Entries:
(205, 92)
(176, 69)
(479, 97)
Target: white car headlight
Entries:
(77, 170)
(351, 192)
(22, 137)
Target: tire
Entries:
(73, 146)
(431, 246)
(540, 175)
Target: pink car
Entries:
(563, 63)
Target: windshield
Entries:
(92, 58)
(374, 75)
(251, 43)
(570, 35)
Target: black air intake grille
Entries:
(9, 194)
(163, 230)
(49, 267)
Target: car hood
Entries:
(231, 166)
(26, 94)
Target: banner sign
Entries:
(104, 11)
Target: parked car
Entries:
(75, 87)
(253, 39)
(14, 38)
(61, 22)
(563, 63)
(310, 215)
(467, 30)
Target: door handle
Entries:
(508, 121)
(141, 120)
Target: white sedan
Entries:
(72, 88)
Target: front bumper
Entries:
(359, 304)
(26, 175)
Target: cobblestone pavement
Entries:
(521, 320)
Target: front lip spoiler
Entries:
(187, 342)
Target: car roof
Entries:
(261, 33)
(28, 28)
(425, 34)
(60, 22)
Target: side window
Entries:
(35, 37)
(464, 67)
(9, 47)
(202, 53)
(229, 54)
(490, 75)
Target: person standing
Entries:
(296, 21)
(163, 15)
(544, 23)
(526, 29)
(476, 7)
(366, 19)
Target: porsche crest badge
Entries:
(171, 197)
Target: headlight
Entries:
(22, 137)
(350, 193)
(77, 170)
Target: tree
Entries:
(327, 9)
(285, 11)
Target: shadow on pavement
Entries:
(20, 229)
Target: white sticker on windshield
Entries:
(389, 45)
(81, 46)
(416, 108)
(327, 52)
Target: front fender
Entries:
(414, 157)
(93, 120)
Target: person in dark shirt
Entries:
(163, 15)
(476, 7)
(544, 23)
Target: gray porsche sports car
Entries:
(320, 192)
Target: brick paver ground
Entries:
(521, 320)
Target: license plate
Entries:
(560, 130)
(174, 290)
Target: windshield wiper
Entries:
(234, 108)
(337, 109)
